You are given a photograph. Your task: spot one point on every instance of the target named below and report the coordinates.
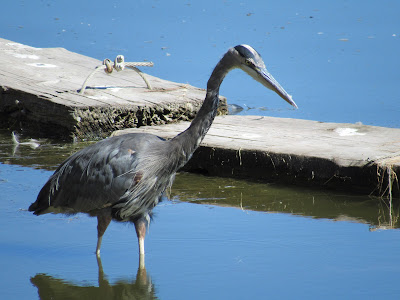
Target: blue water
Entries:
(339, 59)
(193, 252)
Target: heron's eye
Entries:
(248, 62)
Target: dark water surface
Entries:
(217, 238)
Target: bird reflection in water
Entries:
(56, 288)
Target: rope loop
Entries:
(119, 65)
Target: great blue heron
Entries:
(124, 177)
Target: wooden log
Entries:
(39, 91)
(355, 157)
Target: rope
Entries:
(119, 65)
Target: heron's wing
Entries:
(97, 176)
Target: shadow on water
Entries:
(37, 153)
(378, 213)
(140, 287)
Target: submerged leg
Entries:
(103, 221)
(141, 226)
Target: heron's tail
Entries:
(34, 207)
(42, 202)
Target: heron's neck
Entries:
(191, 138)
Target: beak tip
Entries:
(292, 103)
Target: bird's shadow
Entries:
(140, 287)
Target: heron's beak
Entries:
(266, 79)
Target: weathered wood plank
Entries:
(352, 156)
(39, 88)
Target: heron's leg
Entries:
(141, 226)
(101, 272)
(103, 220)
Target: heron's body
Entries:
(124, 177)
(112, 176)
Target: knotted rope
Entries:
(119, 65)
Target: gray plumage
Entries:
(114, 172)
(124, 177)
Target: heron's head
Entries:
(251, 62)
